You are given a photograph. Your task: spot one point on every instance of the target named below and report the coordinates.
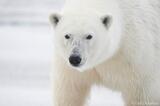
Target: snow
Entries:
(25, 60)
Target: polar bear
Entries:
(114, 43)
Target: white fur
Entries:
(125, 57)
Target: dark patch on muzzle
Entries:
(75, 60)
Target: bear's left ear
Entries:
(55, 18)
(106, 21)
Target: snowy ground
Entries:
(25, 54)
(25, 61)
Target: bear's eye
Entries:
(89, 37)
(67, 36)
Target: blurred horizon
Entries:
(29, 12)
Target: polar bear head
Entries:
(86, 40)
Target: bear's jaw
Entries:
(80, 68)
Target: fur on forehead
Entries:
(84, 19)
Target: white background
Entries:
(26, 49)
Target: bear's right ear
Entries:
(55, 18)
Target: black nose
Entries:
(75, 60)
